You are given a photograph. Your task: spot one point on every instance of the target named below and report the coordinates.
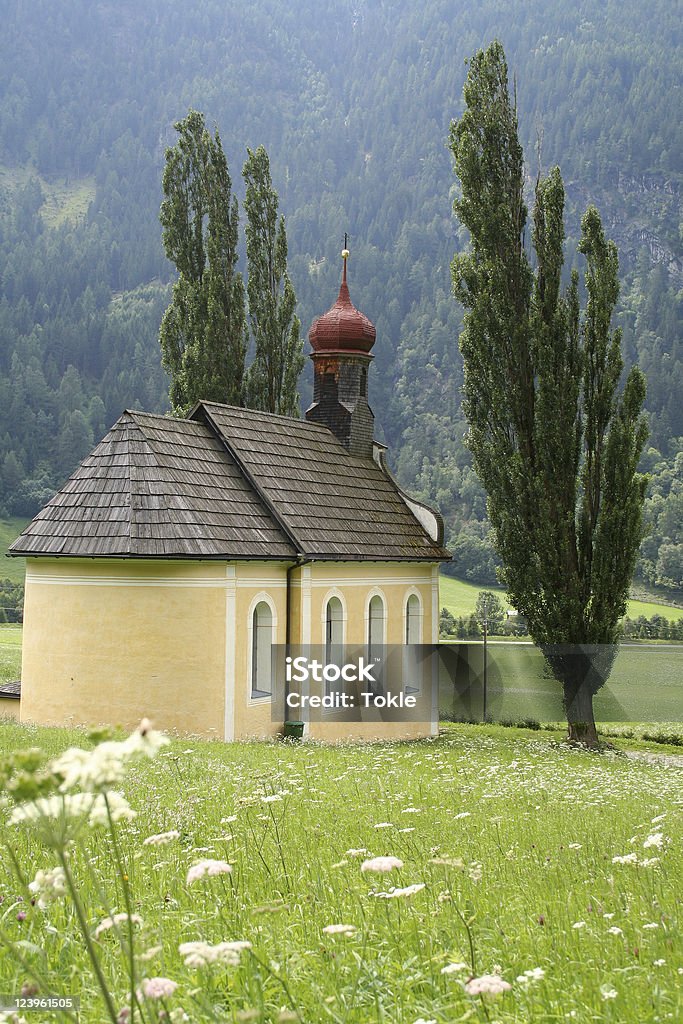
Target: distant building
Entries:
(179, 551)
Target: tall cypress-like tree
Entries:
(554, 442)
(278, 356)
(203, 331)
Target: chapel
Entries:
(182, 551)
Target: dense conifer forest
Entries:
(353, 101)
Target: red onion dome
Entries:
(343, 328)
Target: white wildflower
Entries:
(272, 799)
(393, 894)
(534, 974)
(614, 930)
(340, 864)
(48, 886)
(110, 805)
(157, 988)
(649, 862)
(402, 830)
(628, 858)
(454, 968)
(207, 867)
(56, 808)
(579, 924)
(652, 924)
(199, 954)
(356, 853)
(162, 838)
(475, 871)
(339, 929)
(150, 953)
(411, 810)
(575, 846)
(462, 814)
(659, 963)
(656, 839)
(117, 919)
(105, 765)
(381, 864)
(383, 824)
(487, 985)
(607, 992)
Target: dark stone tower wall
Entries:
(340, 399)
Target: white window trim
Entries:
(334, 592)
(261, 598)
(375, 592)
(413, 592)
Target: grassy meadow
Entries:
(645, 684)
(554, 870)
(10, 652)
(460, 598)
(11, 568)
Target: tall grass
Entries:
(508, 848)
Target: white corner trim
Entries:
(434, 639)
(230, 653)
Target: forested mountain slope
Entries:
(353, 100)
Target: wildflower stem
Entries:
(78, 906)
(470, 938)
(129, 912)
(281, 981)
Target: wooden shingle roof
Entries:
(337, 506)
(230, 484)
(156, 487)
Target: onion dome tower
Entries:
(341, 340)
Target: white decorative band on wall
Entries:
(151, 581)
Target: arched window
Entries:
(413, 616)
(375, 627)
(334, 635)
(261, 653)
(334, 629)
(413, 635)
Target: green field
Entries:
(460, 598)
(10, 652)
(11, 568)
(645, 685)
(505, 846)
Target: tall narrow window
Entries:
(261, 654)
(413, 620)
(413, 635)
(334, 635)
(334, 629)
(375, 627)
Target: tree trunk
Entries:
(578, 702)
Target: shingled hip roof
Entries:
(230, 484)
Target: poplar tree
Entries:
(554, 441)
(203, 331)
(278, 349)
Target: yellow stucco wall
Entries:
(354, 583)
(109, 641)
(112, 641)
(9, 708)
